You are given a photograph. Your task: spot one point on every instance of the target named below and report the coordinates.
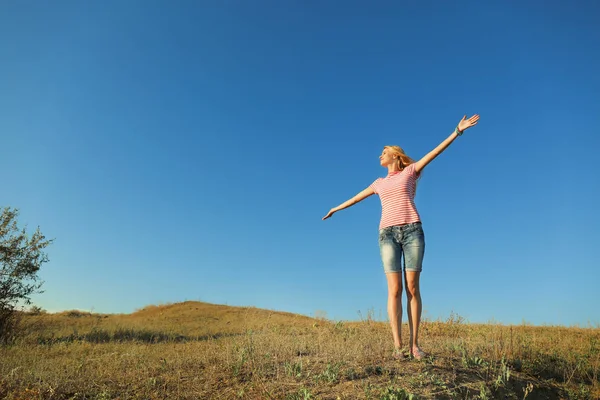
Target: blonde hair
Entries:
(403, 160)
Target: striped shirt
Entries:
(397, 194)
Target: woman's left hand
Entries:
(329, 214)
(465, 123)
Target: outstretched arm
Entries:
(359, 197)
(463, 125)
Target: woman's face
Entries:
(386, 158)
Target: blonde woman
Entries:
(401, 234)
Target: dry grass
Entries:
(196, 350)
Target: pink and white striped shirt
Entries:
(397, 194)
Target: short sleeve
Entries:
(375, 184)
(410, 170)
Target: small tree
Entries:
(20, 260)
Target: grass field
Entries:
(195, 350)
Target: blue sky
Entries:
(188, 151)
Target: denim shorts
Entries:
(406, 240)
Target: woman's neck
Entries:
(392, 169)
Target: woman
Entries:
(401, 233)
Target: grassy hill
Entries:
(195, 350)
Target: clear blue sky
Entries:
(189, 150)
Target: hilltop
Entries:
(195, 350)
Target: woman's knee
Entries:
(395, 291)
(412, 290)
(412, 284)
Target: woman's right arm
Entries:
(359, 197)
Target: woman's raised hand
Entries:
(468, 123)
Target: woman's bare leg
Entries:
(413, 306)
(394, 306)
